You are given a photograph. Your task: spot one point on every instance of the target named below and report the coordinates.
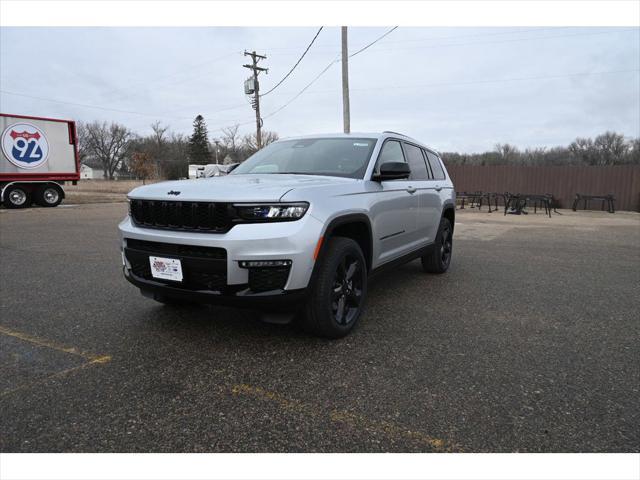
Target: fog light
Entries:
(264, 263)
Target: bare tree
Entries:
(159, 137)
(109, 144)
(584, 150)
(250, 142)
(611, 147)
(508, 153)
(81, 130)
(159, 132)
(231, 138)
(634, 151)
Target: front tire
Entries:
(438, 259)
(338, 294)
(16, 196)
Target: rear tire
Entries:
(339, 291)
(438, 258)
(49, 196)
(16, 196)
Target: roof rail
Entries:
(395, 133)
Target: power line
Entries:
(547, 77)
(497, 80)
(375, 41)
(333, 62)
(296, 64)
(512, 40)
(474, 35)
(97, 107)
(448, 37)
(388, 87)
(132, 112)
(146, 83)
(324, 71)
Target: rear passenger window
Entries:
(436, 166)
(415, 159)
(391, 152)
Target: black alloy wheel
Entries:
(347, 289)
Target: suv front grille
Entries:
(192, 216)
(203, 268)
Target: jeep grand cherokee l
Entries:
(299, 226)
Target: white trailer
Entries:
(38, 156)
(210, 170)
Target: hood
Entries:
(234, 188)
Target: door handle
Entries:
(411, 189)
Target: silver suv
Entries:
(298, 227)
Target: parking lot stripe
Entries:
(91, 359)
(354, 420)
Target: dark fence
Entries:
(623, 181)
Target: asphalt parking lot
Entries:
(530, 343)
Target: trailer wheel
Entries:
(16, 196)
(49, 196)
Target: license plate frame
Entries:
(163, 268)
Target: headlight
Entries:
(272, 212)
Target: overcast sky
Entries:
(456, 89)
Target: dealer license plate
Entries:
(166, 268)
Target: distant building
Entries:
(90, 173)
(93, 173)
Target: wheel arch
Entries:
(449, 212)
(355, 226)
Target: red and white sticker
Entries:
(25, 145)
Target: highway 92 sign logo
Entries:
(25, 145)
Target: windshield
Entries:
(336, 157)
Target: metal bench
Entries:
(518, 203)
(609, 200)
(493, 197)
(475, 199)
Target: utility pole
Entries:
(346, 114)
(217, 144)
(255, 89)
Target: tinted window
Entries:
(339, 157)
(436, 167)
(416, 162)
(391, 152)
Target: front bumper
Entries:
(273, 300)
(293, 241)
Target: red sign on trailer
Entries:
(37, 156)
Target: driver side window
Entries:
(391, 152)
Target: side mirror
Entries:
(393, 171)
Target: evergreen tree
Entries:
(199, 143)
